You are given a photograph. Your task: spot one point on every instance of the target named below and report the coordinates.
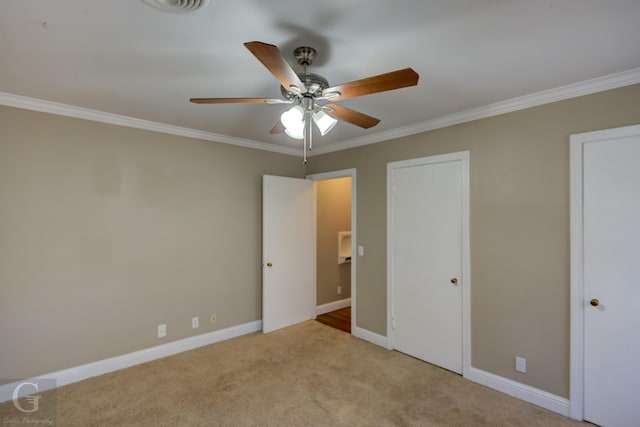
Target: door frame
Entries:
(462, 156)
(577, 298)
(344, 173)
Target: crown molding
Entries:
(561, 93)
(34, 104)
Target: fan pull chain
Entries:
(308, 111)
(308, 139)
(308, 122)
(304, 151)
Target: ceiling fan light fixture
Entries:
(324, 122)
(305, 90)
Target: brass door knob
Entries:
(269, 265)
(454, 280)
(595, 302)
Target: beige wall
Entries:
(519, 227)
(107, 231)
(333, 210)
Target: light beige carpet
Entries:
(305, 375)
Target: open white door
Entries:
(288, 252)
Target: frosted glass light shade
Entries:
(293, 135)
(293, 122)
(324, 122)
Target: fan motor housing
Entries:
(314, 83)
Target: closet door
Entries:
(611, 212)
(426, 235)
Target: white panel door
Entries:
(426, 261)
(611, 188)
(288, 252)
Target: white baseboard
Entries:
(372, 337)
(333, 306)
(521, 391)
(82, 372)
(67, 376)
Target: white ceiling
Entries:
(127, 58)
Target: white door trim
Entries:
(354, 235)
(576, 369)
(462, 156)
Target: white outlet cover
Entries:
(195, 322)
(162, 330)
(521, 364)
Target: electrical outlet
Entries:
(162, 330)
(339, 290)
(195, 322)
(213, 318)
(521, 364)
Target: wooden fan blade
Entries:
(383, 82)
(272, 58)
(234, 100)
(351, 116)
(278, 128)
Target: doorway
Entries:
(336, 269)
(337, 319)
(605, 235)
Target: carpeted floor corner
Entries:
(305, 375)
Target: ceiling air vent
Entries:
(179, 6)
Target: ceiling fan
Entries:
(311, 94)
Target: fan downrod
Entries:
(315, 83)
